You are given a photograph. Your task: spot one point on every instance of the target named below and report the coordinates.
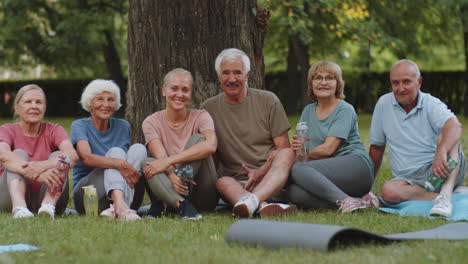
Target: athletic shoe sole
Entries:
(240, 211)
(273, 209)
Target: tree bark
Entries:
(297, 69)
(167, 34)
(464, 19)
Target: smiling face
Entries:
(178, 91)
(31, 107)
(405, 85)
(103, 106)
(324, 85)
(233, 79)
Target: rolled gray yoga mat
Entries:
(273, 234)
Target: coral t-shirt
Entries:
(175, 137)
(38, 147)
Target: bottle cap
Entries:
(89, 188)
(301, 126)
(64, 158)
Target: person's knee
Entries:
(23, 154)
(392, 192)
(137, 149)
(223, 183)
(116, 152)
(54, 154)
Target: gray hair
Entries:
(177, 71)
(99, 86)
(416, 68)
(21, 93)
(232, 54)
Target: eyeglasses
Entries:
(319, 79)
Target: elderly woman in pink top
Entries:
(177, 137)
(28, 156)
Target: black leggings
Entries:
(320, 183)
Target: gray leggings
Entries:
(33, 199)
(106, 180)
(320, 183)
(204, 194)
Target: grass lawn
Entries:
(78, 239)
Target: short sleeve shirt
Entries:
(38, 147)
(175, 137)
(411, 137)
(100, 142)
(341, 123)
(246, 130)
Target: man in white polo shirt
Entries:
(421, 133)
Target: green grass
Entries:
(79, 239)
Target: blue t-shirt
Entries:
(411, 137)
(100, 142)
(341, 123)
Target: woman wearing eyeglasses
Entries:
(337, 167)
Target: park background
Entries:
(61, 45)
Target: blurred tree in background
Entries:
(76, 38)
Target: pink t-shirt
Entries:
(175, 137)
(38, 148)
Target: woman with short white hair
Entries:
(107, 159)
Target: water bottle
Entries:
(433, 182)
(63, 165)
(90, 200)
(186, 175)
(301, 131)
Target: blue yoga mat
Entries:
(422, 208)
(16, 247)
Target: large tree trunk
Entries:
(298, 67)
(166, 34)
(464, 19)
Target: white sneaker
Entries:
(442, 206)
(109, 212)
(246, 206)
(276, 209)
(22, 212)
(47, 210)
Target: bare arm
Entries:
(11, 160)
(376, 154)
(256, 175)
(450, 136)
(326, 149)
(89, 159)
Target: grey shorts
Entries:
(419, 176)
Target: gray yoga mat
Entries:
(274, 234)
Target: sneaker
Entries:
(22, 212)
(372, 199)
(188, 212)
(109, 212)
(442, 206)
(47, 210)
(157, 209)
(246, 206)
(461, 189)
(276, 209)
(351, 203)
(128, 215)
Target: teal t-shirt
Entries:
(341, 123)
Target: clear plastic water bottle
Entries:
(186, 175)
(63, 166)
(301, 131)
(90, 200)
(433, 182)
